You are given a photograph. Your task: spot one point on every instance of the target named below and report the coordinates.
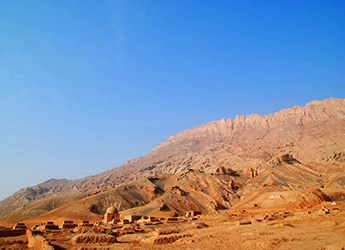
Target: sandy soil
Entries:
(13, 243)
(299, 230)
(320, 227)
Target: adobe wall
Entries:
(9, 233)
(38, 242)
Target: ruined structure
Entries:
(20, 226)
(85, 223)
(68, 225)
(193, 213)
(48, 225)
(111, 215)
(132, 218)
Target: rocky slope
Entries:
(165, 196)
(281, 183)
(314, 134)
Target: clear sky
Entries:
(87, 85)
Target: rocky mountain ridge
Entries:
(312, 134)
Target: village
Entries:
(277, 228)
(104, 232)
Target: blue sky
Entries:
(87, 85)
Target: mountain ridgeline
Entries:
(238, 160)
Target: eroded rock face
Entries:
(92, 238)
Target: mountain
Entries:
(314, 135)
(163, 196)
(292, 185)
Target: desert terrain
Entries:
(253, 182)
(317, 227)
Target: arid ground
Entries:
(318, 227)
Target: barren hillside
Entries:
(314, 134)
